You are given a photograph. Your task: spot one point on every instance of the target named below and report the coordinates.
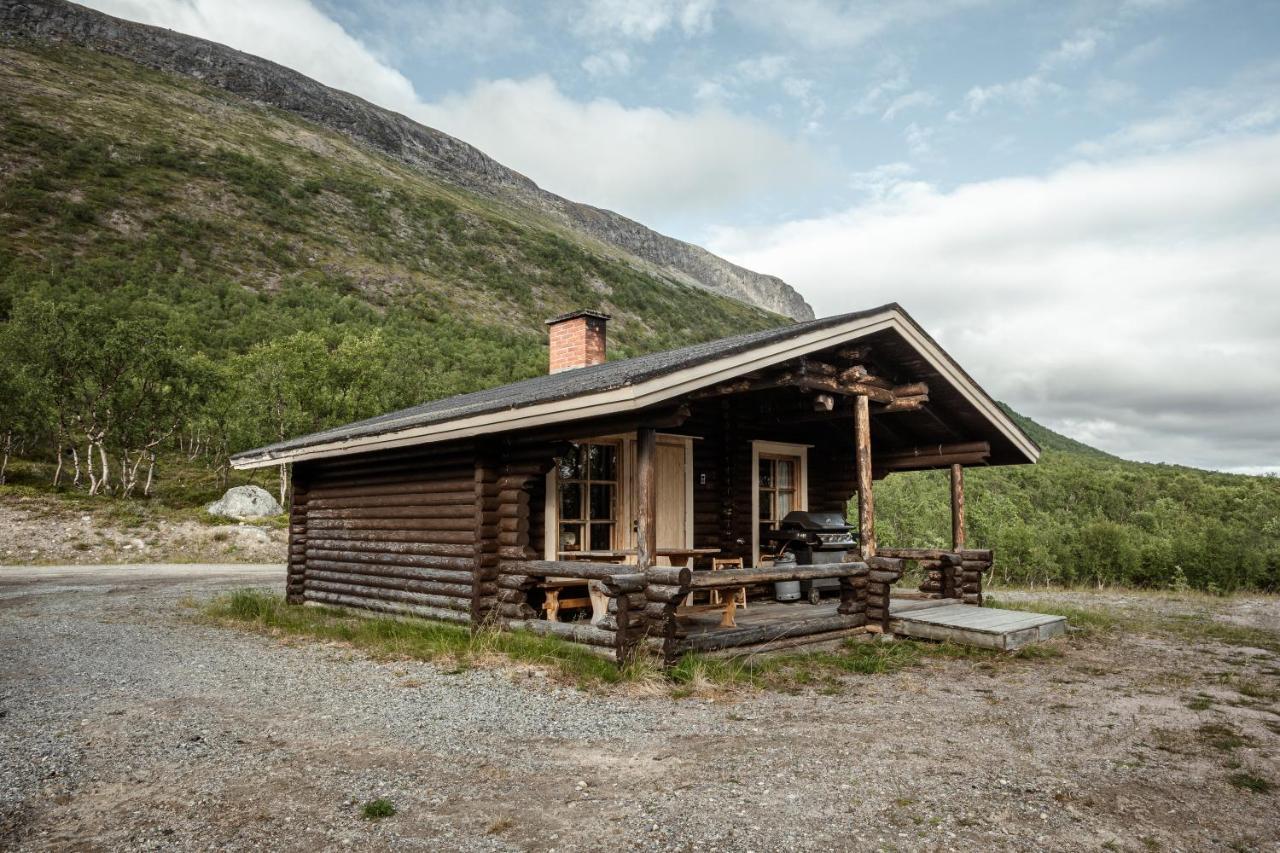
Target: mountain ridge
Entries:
(432, 151)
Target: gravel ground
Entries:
(126, 725)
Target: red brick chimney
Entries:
(577, 340)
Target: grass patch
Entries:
(377, 809)
(397, 638)
(1220, 737)
(1248, 782)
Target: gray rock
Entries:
(426, 149)
(245, 502)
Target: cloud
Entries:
(1248, 103)
(645, 162)
(291, 32)
(908, 101)
(643, 20)
(1030, 90)
(837, 25)
(608, 63)
(1131, 303)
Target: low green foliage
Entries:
(1249, 782)
(420, 639)
(377, 809)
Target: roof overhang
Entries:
(641, 395)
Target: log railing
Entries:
(948, 574)
(667, 587)
(619, 631)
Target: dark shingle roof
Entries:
(558, 386)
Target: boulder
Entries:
(245, 502)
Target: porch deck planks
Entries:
(932, 619)
(985, 627)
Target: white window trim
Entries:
(775, 448)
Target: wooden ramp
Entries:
(986, 627)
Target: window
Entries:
(587, 495)
(778, 482)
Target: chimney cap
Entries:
(582, 312)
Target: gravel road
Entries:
(124, 724)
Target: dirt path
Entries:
(127, 725)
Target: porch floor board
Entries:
(933, 619)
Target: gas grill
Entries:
(814, 538)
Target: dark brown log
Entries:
(393, 512)
(391, 490)
(388, 537)
(419, 499)
(730, 637)
(440, 602)
(573, 631)
(862, 465)
(957, 506)
(747, 577)
(402, 572)
(426, 587)
(646, 497)
(381, 562)
(320, 525)
(434, 549)
(395, 607)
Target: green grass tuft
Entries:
(1248, 782)
(377, 809)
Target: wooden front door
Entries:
(672, 486)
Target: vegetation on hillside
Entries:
(183, 275)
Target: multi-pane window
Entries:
(587, 482)
(778, 483)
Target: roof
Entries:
(614, 386)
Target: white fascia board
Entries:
(656, 390)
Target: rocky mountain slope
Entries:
(425, 149)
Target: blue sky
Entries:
(1081, 200)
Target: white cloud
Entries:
(1030, 90)
(1131, 302)
(291, 32)
(837, 25)
(644, 20)
(642, 161)
(769, 66)
(645, 162)
(910, 100)
(608, 63)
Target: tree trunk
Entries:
(4, 463)
(284, 482)
(151, 468)
(106, 472)
(89, 468)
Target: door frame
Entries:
(775, 448)
(626, 488)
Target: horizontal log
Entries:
(388, 490)
(415, 498)
(319, 525)
(390, 571)
(791, 642)
(576, 632)
(745, 577)
(458, 510)
(517, 553)
(669, 575)
(433, 549)
(432, 537)
(393, 607)
(422, 599)
(578, 569)
(915, 463)
(731, 637)
(885, 563)
(884, 577)
(626, 583)
(425, 587)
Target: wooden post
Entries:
(647, 497)
(866, 500)
(957, 507)
(485, 529)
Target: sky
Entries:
(1080, 200)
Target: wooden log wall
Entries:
(885, 572)
(949, 574)
(296, 567)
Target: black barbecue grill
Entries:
(815, 538)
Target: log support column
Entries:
(957, 507)
(486, 525)
(866, 498)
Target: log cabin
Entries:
(636, 506)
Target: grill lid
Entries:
(826, 522)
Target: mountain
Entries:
(425, 150)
